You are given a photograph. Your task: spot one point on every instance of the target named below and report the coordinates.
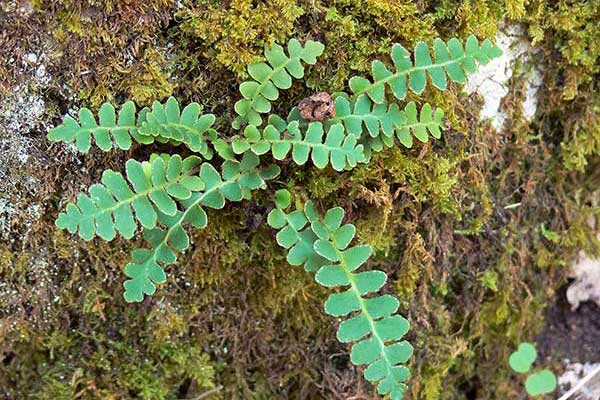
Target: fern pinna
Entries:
(165, 194)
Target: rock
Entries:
(492, 80)
(573, 374)
(586, 287)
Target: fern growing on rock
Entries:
(321, 244)
(165, 195)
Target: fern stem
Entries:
(176, 125)
(300, 142)
(110, 128)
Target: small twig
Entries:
(511, 206)
(208, 393)
(580, 384)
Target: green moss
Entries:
(476, 16)
(149, 81)
(6, 259)
(473, 275)
(320, 185)
(234, 36)
(415, 263)
(355, 32)
(111, 368)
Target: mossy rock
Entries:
(234, 320)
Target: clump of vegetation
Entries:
(470, 274)
(165, 193)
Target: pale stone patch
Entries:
(530, 104)
(574, 372)
(586, 286)
(586, 272)
(491, 80)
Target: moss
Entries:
(6, 259)
(320, 185)
(355, 32)
(163, 380)
(473, 274)
(234, 36)
(416, 262)
(516, 9)
(150, 82)
(583, 145)
(476, 16)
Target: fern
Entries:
(450, 59)
(322, 244)
(332, 147)
(269, 77)
(122, 205)
(164, 194)
(234, 183)
(386, 121)
(108, 133)
(168, 123)
(411, 123)
(163, 123)
(378, 125)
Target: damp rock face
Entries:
(317, 107)
(235, 321)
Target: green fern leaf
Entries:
(331, 147)
(419, 124)
(450, 59)
(119, 204)
(167, 123)
(376, 125)
(321, 244)
(162, 123)
(107, 133)
(167, 238)
(377, 120)
(271, 76)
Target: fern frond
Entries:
(294, 234)
(119, 204)
(382, 120)
(269, 77)
(234, 183)
(169, 123)
(411, 122)
(331, 147)
(451, 59)
(372, 325)
(378, 125)
(163, 123)
(107, 133)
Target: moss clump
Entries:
(233, 36)
(150, 82)
(112, 368)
